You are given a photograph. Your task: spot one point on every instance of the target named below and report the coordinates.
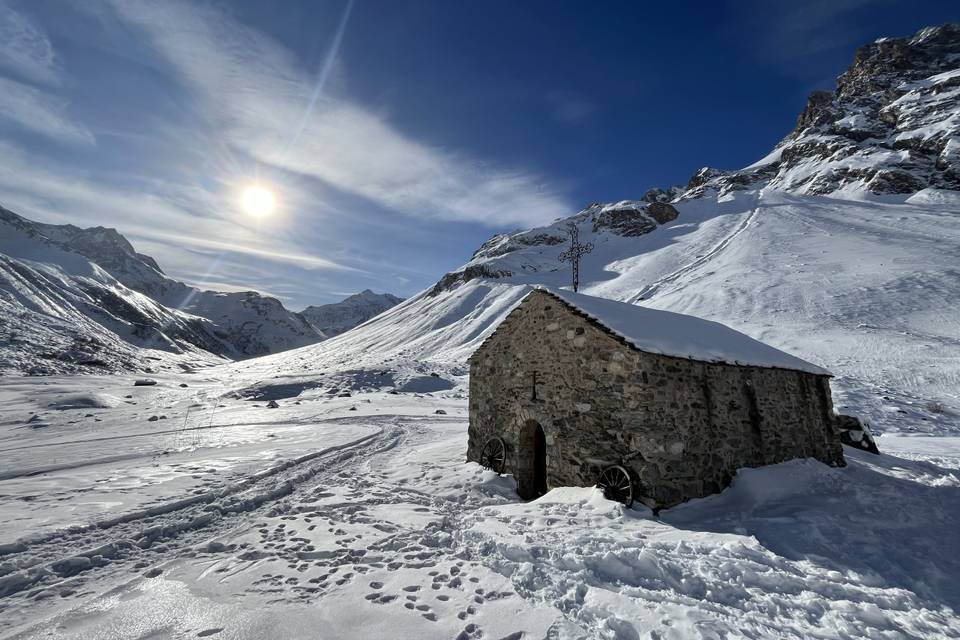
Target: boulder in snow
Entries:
(856, 433)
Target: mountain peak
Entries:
(335, 318)
(888, 62)
(889, 127)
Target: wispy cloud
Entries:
(256, 91)
(290, 257)
(25, 48)
(40, 112)
(40, 189)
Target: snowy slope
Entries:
(60, 312)
(333, 319)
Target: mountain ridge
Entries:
(93, 300)
(878, 134)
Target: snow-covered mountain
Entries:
(76, 299)
(307, 490)
(335, 318)
(890, 127)
(856, 271)
(245, 323)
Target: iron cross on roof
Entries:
(573, 253)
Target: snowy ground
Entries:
(357, 517)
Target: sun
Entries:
(257, 201)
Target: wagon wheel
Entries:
(616, 485)
(494, 455)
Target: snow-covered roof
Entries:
(679, 335)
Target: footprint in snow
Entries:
(469, 632)
(469, 611)
(209, 632)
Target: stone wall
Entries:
(682, 426)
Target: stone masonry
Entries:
(682, 427)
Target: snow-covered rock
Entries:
(496, 258)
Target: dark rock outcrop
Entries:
(627, 222)
(472, 272)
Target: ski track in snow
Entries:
(388, 533)
(652, 289)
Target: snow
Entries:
(85, 401)
(770, 158)
(935, 197)
(368, 523)
(680, 335)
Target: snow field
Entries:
(395, 536)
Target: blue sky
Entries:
(397, 135)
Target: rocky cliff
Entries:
(890, 126)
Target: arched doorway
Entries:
(532, 461)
